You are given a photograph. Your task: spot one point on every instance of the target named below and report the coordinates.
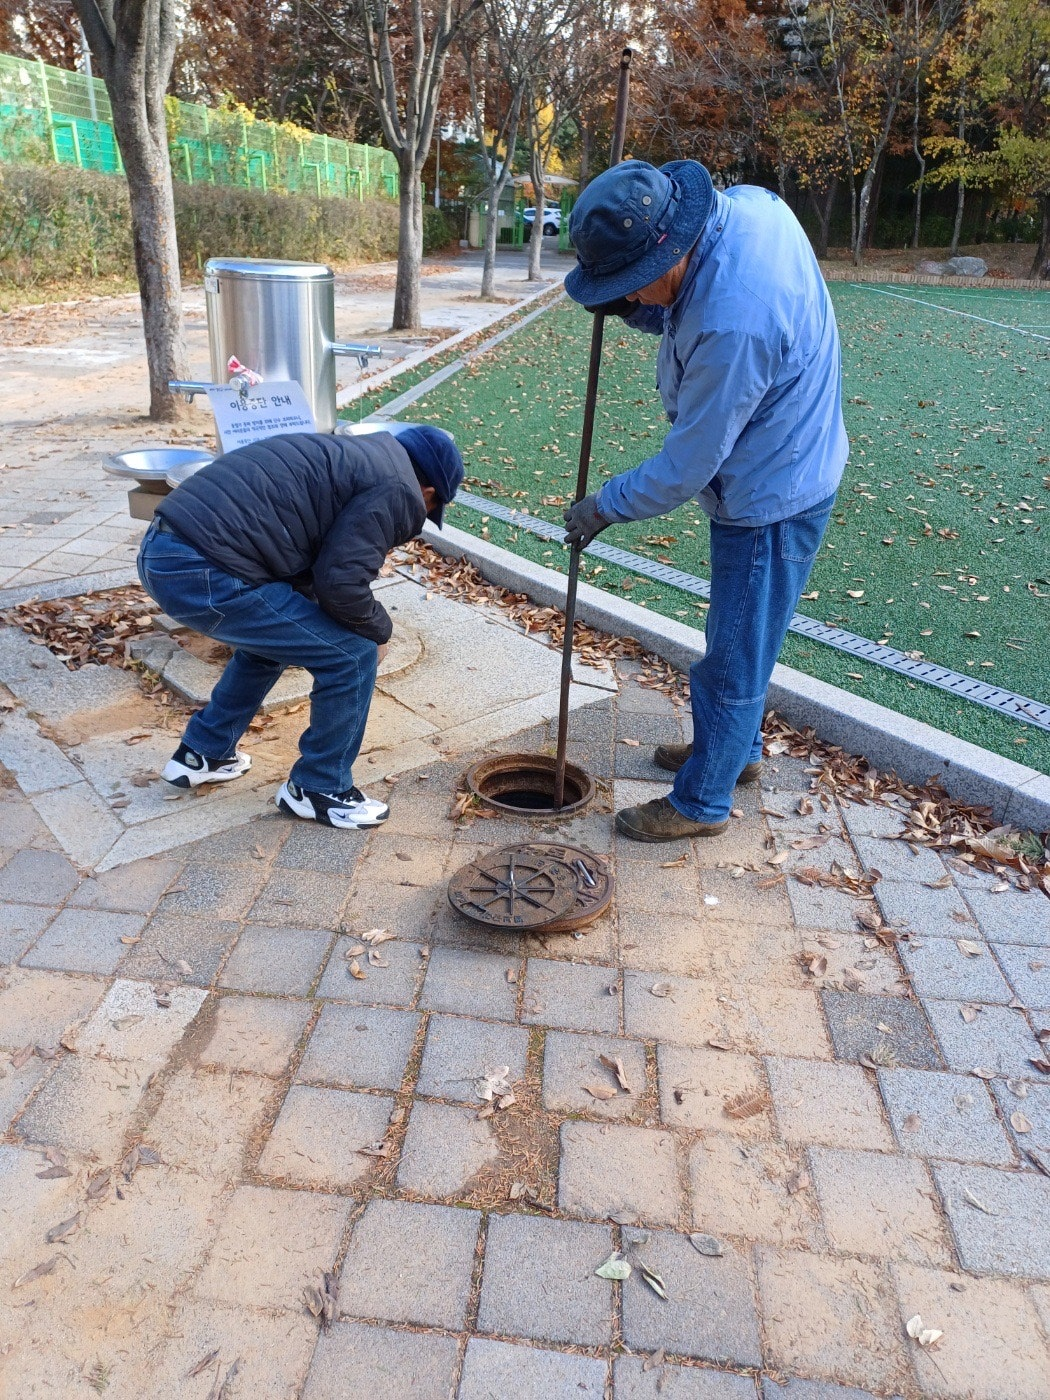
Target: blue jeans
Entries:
(757, 576)
(270, 626)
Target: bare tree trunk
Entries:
(960, 203)
(822, 209)
(488, 267)
(156, 266)
(585, 155)
(867, 204)
(960, 198)
(917, 148)
(133, 47)
(1041, 261)
(537, 174)
(409, 249)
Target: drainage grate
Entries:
(1006, 702)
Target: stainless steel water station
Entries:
(277, 319)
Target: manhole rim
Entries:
(506, 764)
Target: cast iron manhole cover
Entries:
(514, 887)
(594, 883)
(542, 885)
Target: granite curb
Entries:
(916, 751)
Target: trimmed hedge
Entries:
(59, 223)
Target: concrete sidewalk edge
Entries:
(1016, 793)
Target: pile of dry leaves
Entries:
(90, 630)
(933, 818)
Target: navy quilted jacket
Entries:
(310, 509)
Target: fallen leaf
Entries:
(854, 592)
(512, 975)
(971, 1200)
(631, 743)
(968, 1013)
(654, 1280)
(377, 1149)
(203, 1364)
(944, 883)
(672, 864)
(796, 1182)
(707, 1245)
(98, 1184)
(969, 947)
(615, 1066)
(124, 1023)
(53, 1173)
(376, 959)
(662, 989)
(600, 1091)
(129, 939)
(982, 1073)
(354, 969)
(745, 1105)
(356, 950)
(1018, 1122)
(925, 1336)
(57, 1233)
(615, 1267)
(810, 843)
(23, 1056)
(375, 936)
(41, 1271)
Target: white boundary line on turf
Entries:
(361, 387)
(950, 311)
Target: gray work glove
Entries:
(620, 307)
(583, 520)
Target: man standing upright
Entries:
(749, 374)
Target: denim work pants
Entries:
(757, 576)
(270, 626)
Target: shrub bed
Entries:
(58, 223)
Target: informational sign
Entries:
(263, 411)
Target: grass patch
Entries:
(940, 526)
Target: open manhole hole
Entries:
(522, 785)
(540, 887)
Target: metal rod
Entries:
(589, 405)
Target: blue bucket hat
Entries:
(436, 455)
(632, 224)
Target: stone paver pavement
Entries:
(211, 1126)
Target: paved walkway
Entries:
(75, 390)
(232, 1109)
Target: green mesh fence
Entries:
(48, 114)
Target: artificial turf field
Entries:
(939, 542)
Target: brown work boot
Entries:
(672, 756)
(660, 820)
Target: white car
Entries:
(551, 218)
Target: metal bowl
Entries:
(155, 463)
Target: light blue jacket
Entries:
(750, 376)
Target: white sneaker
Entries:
(188, 769)
(346, 810)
